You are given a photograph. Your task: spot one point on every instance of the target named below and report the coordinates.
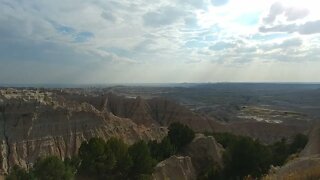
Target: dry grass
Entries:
(308, 174)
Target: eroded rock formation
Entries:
(35, 124)
(306, 165)
(175, 168)
(204, 149)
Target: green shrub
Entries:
(17, 173)
(52, 168)
(143, 163)
(180, 135)
(162, 150)
(299, 142)
(245, 156)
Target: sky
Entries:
(163, 41)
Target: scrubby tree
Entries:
(298, 143)
(122, 157)
(180, 135)
(143, 163)
(245, 157)
(162, 150)
(115, 160)
(17, 173)
(73, 163)
(52, 168)
(211, 171)
(96, 159)
(280, 151)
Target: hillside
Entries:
(39, 122)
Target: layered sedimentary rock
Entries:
(35, 124)
(204, 149)
(161, 112)
(175, 168)
(155, 111)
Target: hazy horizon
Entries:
(177, 84)
(88, 42)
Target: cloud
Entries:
(291, 13)
(311, 27)
(162, 17)
(288, 28)
(222, 46)
(65, 29)
(284, 46)
(199, 4)
(294, 13)
(109, 16)
(294, 42)
(83, 36)
(276, 9)
(191, 21)
(219, 2)
(117, 41)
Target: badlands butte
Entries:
(41, 122)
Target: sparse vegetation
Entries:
(17, 173)
(245, 156)
(49, 168)
(306, 174)
(112, 159)
(180, 135)
(162, 150)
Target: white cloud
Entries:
(142, 41)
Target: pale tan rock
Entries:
(175, 168)
(55, 126)
(303, 168)
(204, 149)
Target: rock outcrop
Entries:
(35, 124)
(39, 122)
(175, 168)
(204, 149)
(156, 111)
(161, 112)
(306, 166)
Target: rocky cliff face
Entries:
(175, 168)
(204, 149)
(161, 112)
(155, 111)
(35, 124)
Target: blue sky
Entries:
(164, 41)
